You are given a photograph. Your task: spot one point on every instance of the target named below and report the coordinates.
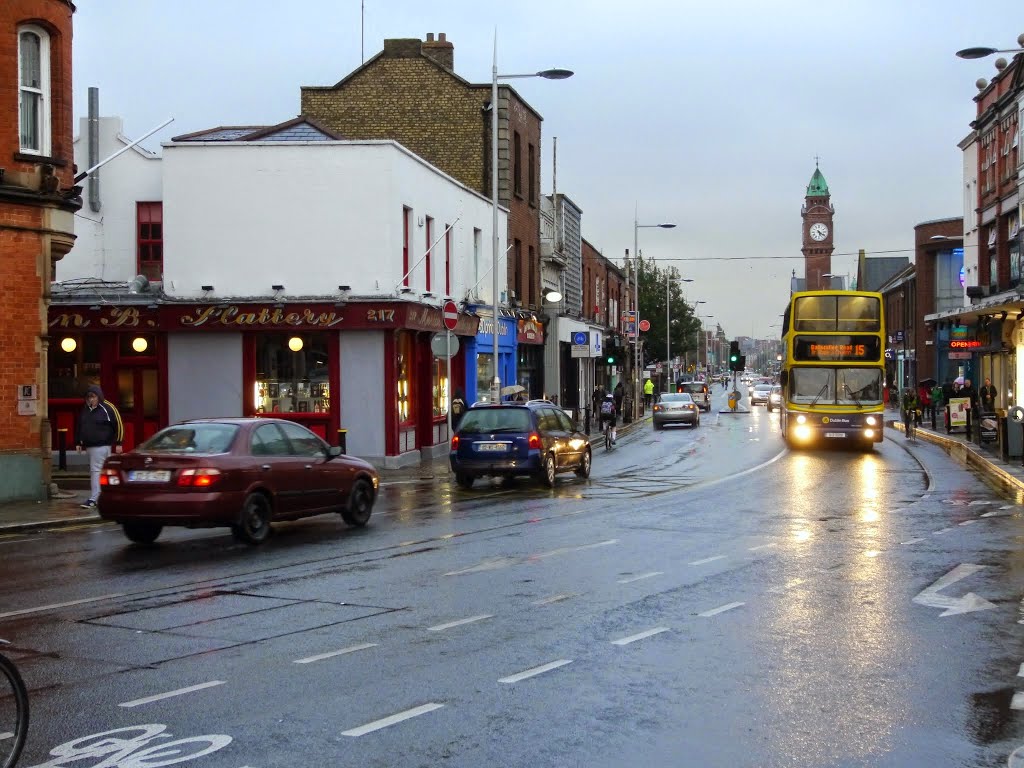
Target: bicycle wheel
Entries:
(13, 713)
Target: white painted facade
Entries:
(105, 244)
(969, 147)
(311, 216)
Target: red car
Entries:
(240, 473)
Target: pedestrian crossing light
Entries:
(734, 356)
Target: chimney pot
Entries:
(442, 37)
(430, 37)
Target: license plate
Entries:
(149, 476)
(492, 447)
(835, 434)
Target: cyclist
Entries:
(608, 416)
(911, 412)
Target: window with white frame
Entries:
(34, 90)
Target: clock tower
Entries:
(818, 245)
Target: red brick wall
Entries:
(924, 267)
(524, 210)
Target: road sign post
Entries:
(450, 313)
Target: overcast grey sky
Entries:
(705, 114)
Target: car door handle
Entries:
(265, 467)
(309, 466)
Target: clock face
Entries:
(818, 231)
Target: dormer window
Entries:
(34, 90)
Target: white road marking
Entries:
(951, 606)
(911, 541)
(171, 694)
(555, 598)
(460, 622)
(535, 671)
(707, 560)
(721, 609)
(1008, 506)
(1020, 672)
(52, 606)
(980, 503)
(968, 522)
(763, 546)
(996, 513)
(408, 714)
(6, 736)
(631, 579)
(504, 562)
(941, 531)
(1017, 702)
(640, 636)
(331, 654)
(565, 550)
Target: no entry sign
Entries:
(451, 315)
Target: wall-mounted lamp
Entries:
(428, 295)
(277, 287)
(207, 288)
(68, 344)
(344, 288)
(140, 344)
(295, 343)
(406, 289)
(553, 296)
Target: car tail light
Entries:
(657, 407)
(534, 440)
(455, 443)
(198, 478)
(110, 477)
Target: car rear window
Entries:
(695, 387)
(496, 420)
(681, 397)
(192, 438)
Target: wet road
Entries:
(707, 598)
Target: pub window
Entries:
(439, 389)
(517, 270)
(291, 373)
(531, 297)
(406, 379)
(150, 239)
(74, 364)
(406, 223)
(447, 259)
(34, 90)
(430, 242)
(517, 164)
(531, 158)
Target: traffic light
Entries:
(735, 361)
(613, 355)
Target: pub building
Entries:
(362, 369)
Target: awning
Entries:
(1011, 302)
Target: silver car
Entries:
(775, 398)
(759, 394)
(676, 408)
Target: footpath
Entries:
(63, 510)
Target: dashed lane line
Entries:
(640, 636)
(460, 622)
(707, 560)
(399, 717)
(52, 606)
(763, 546)
(720, 609)
(332, 654)
(941, 531)
(171, 694)
(641, 577)
(535, 671)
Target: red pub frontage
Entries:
(365, 368)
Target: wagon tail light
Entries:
(110, 477)
(455, 443)
(657, 407)
(534, 440)
(198, 478)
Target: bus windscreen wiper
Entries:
(852, 395)
(817, 397)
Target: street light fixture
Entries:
(547, 74)
(981, 51)
(636, 304)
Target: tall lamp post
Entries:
(547, 74)
(669, 274)
(704, 341)
(636, 305)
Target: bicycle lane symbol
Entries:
(118, 748)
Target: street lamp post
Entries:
(636, 305)
(704, 341)
(981, 51)
(547, 74)
(669, 274)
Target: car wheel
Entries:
(360, 504)
(583, 470)
(254, 522)
(464, 480)
(547, 471)
(142, 533)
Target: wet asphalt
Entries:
(706, 598)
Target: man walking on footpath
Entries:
(98, 430)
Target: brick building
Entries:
(38, 199)
(409, 92)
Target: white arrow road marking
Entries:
(707, 560)
(376, 725)
(721, 609)
(639, 636)
(170, 694)
(535, 671)
(953, 605)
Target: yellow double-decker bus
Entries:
(833, 368)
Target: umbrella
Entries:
(929, 382)
(959, 380)
(513, 389)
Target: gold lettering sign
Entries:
(69, 320)
(127, 318)
(232, 316)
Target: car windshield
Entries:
(496, 420)
(676, 397)
(192, 438)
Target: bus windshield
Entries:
(835, 386)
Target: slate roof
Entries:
(299, 128)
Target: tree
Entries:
(685, 330)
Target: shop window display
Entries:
(292, 373)
(405, 378)
(440, 388)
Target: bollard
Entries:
(62, 448)
(343, 440)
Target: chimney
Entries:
(439, 50)
(402, 48)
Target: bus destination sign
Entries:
(856, 349)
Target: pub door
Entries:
(139, 402)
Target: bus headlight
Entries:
(871, 421)
(869, 433)
(802, 432)
(801, 419)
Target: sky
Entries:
(708, 115)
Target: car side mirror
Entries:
(334, 451)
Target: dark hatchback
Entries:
(535, 439)
(237, 473)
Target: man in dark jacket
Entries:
(99, 429)
(617, 395)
